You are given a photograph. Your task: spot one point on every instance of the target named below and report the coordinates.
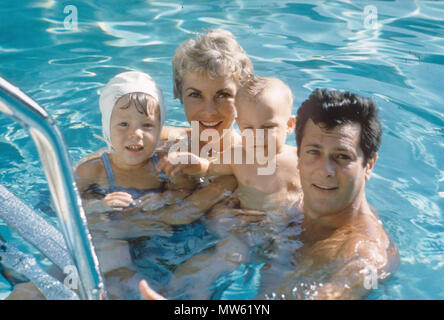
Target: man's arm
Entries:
(361, 264)
(352, 281)
(348, 272)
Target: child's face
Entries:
(272, 113)
(133, 134)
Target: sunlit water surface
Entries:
(396, 58)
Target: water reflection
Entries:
(308, 45)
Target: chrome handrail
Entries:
(57, 166)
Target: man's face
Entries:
(331, 168)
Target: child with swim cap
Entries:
(133, 113)
(123, 178)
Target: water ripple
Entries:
(80, 60)
(308, 45)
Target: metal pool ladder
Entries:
(57, 166)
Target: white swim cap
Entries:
(124, 83)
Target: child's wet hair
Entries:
(143, 102)
(256, 86)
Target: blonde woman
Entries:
(207, 73)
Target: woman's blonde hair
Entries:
(217, 52)
(143, 102)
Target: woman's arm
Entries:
(190, 164)
(184, 212)
(200, 201)
(182, 207)
(178, 188)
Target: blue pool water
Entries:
(397, 58)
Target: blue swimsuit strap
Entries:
(110, 174)
(108, 170)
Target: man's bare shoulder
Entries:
(359, 237)
(367, 239)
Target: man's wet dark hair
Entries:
(333, 108)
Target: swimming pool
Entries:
(395, 57)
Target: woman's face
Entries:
(210, 101)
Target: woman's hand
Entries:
(183, 162)
(118, 200)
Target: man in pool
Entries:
(338, 135)
(346, 250)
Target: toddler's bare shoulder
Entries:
(90, 168)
